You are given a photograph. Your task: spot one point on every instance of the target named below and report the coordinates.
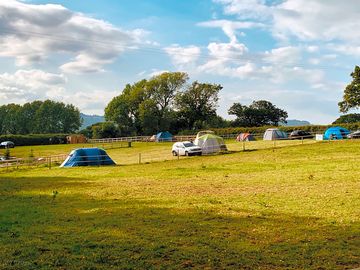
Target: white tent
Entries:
(202, 133)
(272, 134)
(211, 143)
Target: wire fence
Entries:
(123, 152)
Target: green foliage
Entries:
(259, 113)
(163, 103)
(348, 118)
(196, 106)
(35, 139)
(102, 130)
(39, 117)
(351, 98)
(146, 107)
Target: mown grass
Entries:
(140, 151)
(293, 207)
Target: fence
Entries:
(17, 163)
(152, 152)
(185, 138)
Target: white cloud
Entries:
(230, 27)
(283, 56)
(183, 55)
(346, 49)
(26, 85)
(317, 20)
(32, 33)
(246, 9)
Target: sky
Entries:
(298, 54)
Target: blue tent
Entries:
(87, 157)
(336, 133)
(164, 137)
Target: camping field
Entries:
(291, 207)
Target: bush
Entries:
(35, 139)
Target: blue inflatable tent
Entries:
(87, 157)
(336, 133)
(164, 137)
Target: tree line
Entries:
(164, 102)
(39, 117)
(169, 102)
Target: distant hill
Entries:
(88, 120)
(294, 123)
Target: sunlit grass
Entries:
(293, 207)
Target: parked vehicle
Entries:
(354, 135)
(7, 144)
(185, 149)
(300, 134)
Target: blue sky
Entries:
(297, 54)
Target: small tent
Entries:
(164, 137)
(152, 138)
(242, 137)
(87, 157)
(211, 143)
(272, 134)
(336, 133)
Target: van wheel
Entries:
(174, 153)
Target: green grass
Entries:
(147, 152)
(294, 207)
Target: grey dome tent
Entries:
(272, 134)
(87, 157)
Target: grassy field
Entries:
(147, 152)
(294, 207)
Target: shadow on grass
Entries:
(82, 232)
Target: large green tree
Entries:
(348, 118)
(146, 106)
(197, 105)
(39, 117)
(259, 113)
(351, 98)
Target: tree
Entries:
(105, 130)
(124, 109)
(164, 87)
(259, 113)
(146, 106)
(197, 105)
(27, 117)
(348, 118)
(39, 117)
(56, 117)
(10, 123)
(351, 98)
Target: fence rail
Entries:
(154, 154)
(188, 138)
